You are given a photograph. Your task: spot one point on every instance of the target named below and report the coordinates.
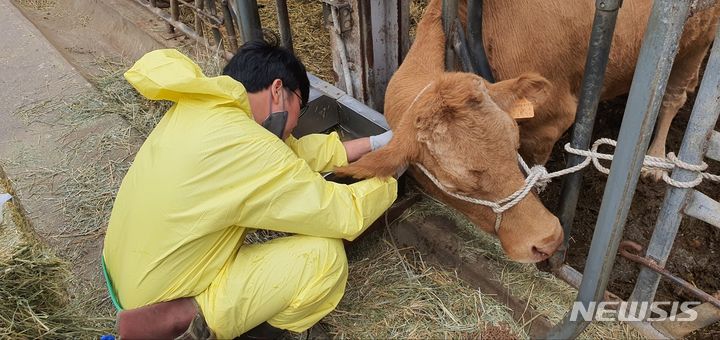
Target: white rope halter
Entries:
(537, 176)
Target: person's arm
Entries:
(321, 152)
(356, 148)
(288, 196)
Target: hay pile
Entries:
(34, 299)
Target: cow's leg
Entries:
(683, 79)
(538, 135)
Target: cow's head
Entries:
(459, 129)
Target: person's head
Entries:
(275, 80)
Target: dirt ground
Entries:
(695, 256)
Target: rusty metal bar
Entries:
(700, 126)
(627, 246)
(595, 64)
(284, 24)
(185, 29)
(657, 53)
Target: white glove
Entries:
(3, 198)
(380, 140)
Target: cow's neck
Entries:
(427, 55)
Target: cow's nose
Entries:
(541, 254)
(548, 247)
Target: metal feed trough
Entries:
(374, 35)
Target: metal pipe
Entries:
(449, 13)
(574, 279)
(651, 74)
(198, 21)
(229, 26)
(247, 13)
(213, 19)
(210, 4)
(629, 250)
(336, 33)
(700, 127)
(185, 29)
(475, 40)
(284, 24)
(606, 12)
(459, 45)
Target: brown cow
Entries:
(459, 128)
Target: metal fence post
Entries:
(606, 12)
(449, 13)
(700, 127)
(651, 74)
(284, 24)
(475, 39)
(247, 13)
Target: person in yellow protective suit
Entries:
(211, 171)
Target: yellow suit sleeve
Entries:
(322, 152)
(290, 197)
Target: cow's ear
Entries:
(532, 87)
(519, 96)
(383, 162)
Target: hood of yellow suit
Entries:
(169, 75)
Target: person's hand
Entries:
(378, 141)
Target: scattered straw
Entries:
(311, 40)
(545, 293)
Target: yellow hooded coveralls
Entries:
(206, 174)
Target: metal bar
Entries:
(336, 33)
(651, 74)
(714, 147)
(247, 13)
(185, 29)
(702, 121)
(629, 250)
(213, 19)
(229, 26)
(174, 14)
(704, 208)
(404, 29)
(595, 64)
(449, 13)
(481, 64)
(707, 315)
(284, 24)
(210, 4)
(198, 21)
(459, 45)
(574, 279)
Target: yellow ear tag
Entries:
(522, 109)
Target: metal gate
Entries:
(653, 68)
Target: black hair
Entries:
(259, 62)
